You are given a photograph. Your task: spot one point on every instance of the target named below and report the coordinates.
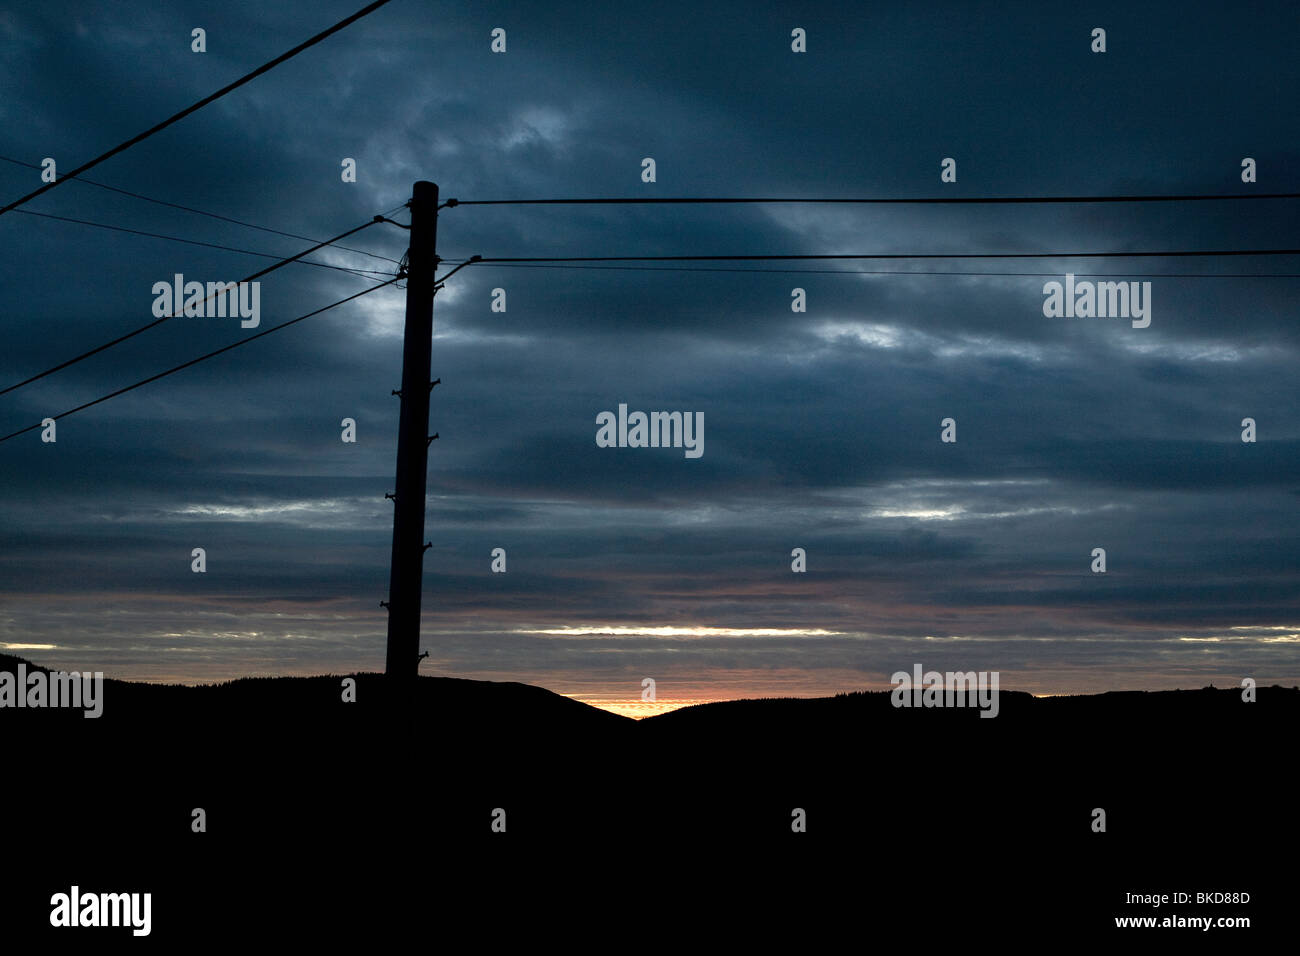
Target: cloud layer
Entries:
(823, 428)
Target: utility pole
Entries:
(413, 440)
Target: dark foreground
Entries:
(373, 821)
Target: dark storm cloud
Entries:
(821, 429)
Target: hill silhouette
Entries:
(284, 766)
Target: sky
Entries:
(822, 428)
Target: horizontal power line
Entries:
(896, 272)
(364, 273)
(201, 358)
(196, 106)
(201, 212)
(159, 321)
(897, 255)
(932, 200)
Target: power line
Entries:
(159, 321)
(364, 273)
(201, 358)
(437, 283)
(897, 255)
(894, 272)
(930, 200)
(201, 212)
(199, 105)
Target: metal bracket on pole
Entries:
(429, 441)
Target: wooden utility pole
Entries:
(407, 573)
